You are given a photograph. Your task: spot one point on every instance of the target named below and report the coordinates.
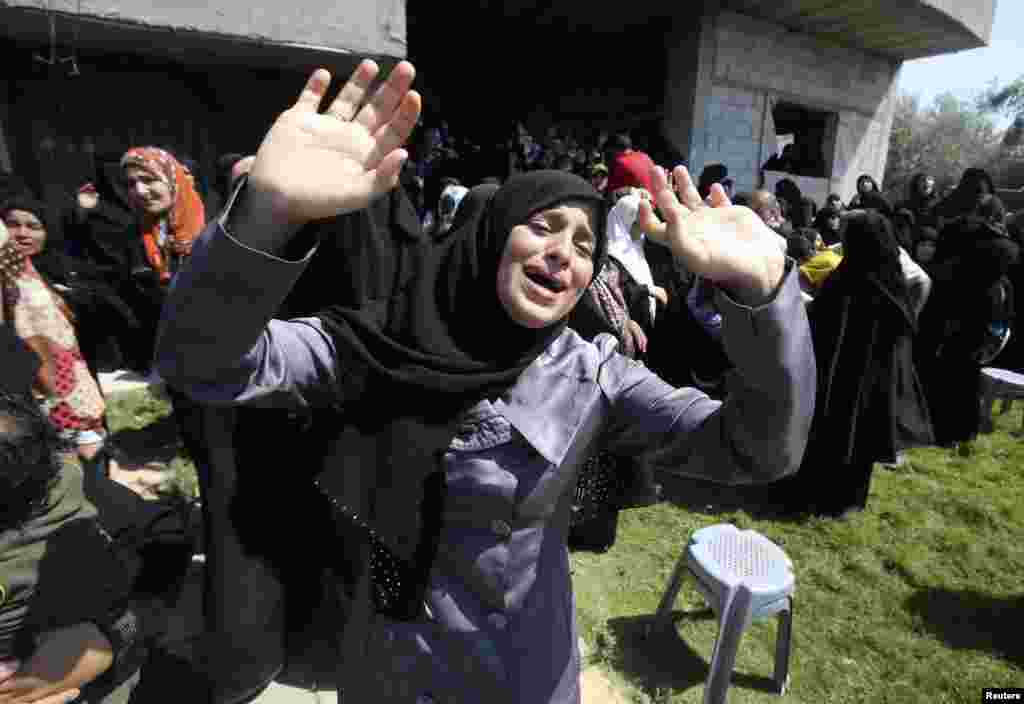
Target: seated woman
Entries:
(452, 503)
(818, 261)
(169, 214)
(99, 314)
(39, 315)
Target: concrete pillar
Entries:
(682, 116)
(689, 55)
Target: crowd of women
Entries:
(448, 375)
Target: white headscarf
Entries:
(622, 246)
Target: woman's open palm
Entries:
(727, 244)
(314, 165)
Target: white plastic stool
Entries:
(1000, 383)
(744, 577)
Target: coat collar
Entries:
(546, 405)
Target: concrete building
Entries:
(825, 72)
(720, 83)
(83, 80)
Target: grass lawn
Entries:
(919, 599)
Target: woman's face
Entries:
(927, 186)
(833, 223)
(547, 264)
(864, 186)
(925, 251)
(147, 193)
(27, 231)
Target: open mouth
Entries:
(550, 283)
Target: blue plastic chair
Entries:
(744, 577)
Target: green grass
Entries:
(142, 427)
(918, 599)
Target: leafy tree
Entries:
(941, 140)
(1008, 100)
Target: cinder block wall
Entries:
(745, 62)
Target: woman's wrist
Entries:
(256, 219)
(760, 287)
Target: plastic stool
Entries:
(1000, 383)
(744, 577)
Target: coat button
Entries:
(499, 621)
(501, 528)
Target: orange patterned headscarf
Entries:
(186, 218)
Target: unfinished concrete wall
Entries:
(745, 63)
(682, 66)
(361, 26)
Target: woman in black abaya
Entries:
(870, 403)
(974, 258)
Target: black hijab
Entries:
(874, 200)
(870, 403)
(917, 201)
(821, 220)
(53, 263)
(789, 193)
(870, 249)
(964, 200)
(417, 357)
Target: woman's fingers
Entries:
(313, 92)
(667, 202)
(396, 132)
(388, 98)
(385, 176)
(718, 197)
(687, 192)
(352, 94)
(649, 222)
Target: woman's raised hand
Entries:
(315, 165)
(727, 244)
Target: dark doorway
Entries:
(813, 137)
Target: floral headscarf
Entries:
(170, 236)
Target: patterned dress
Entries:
(67, 391)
